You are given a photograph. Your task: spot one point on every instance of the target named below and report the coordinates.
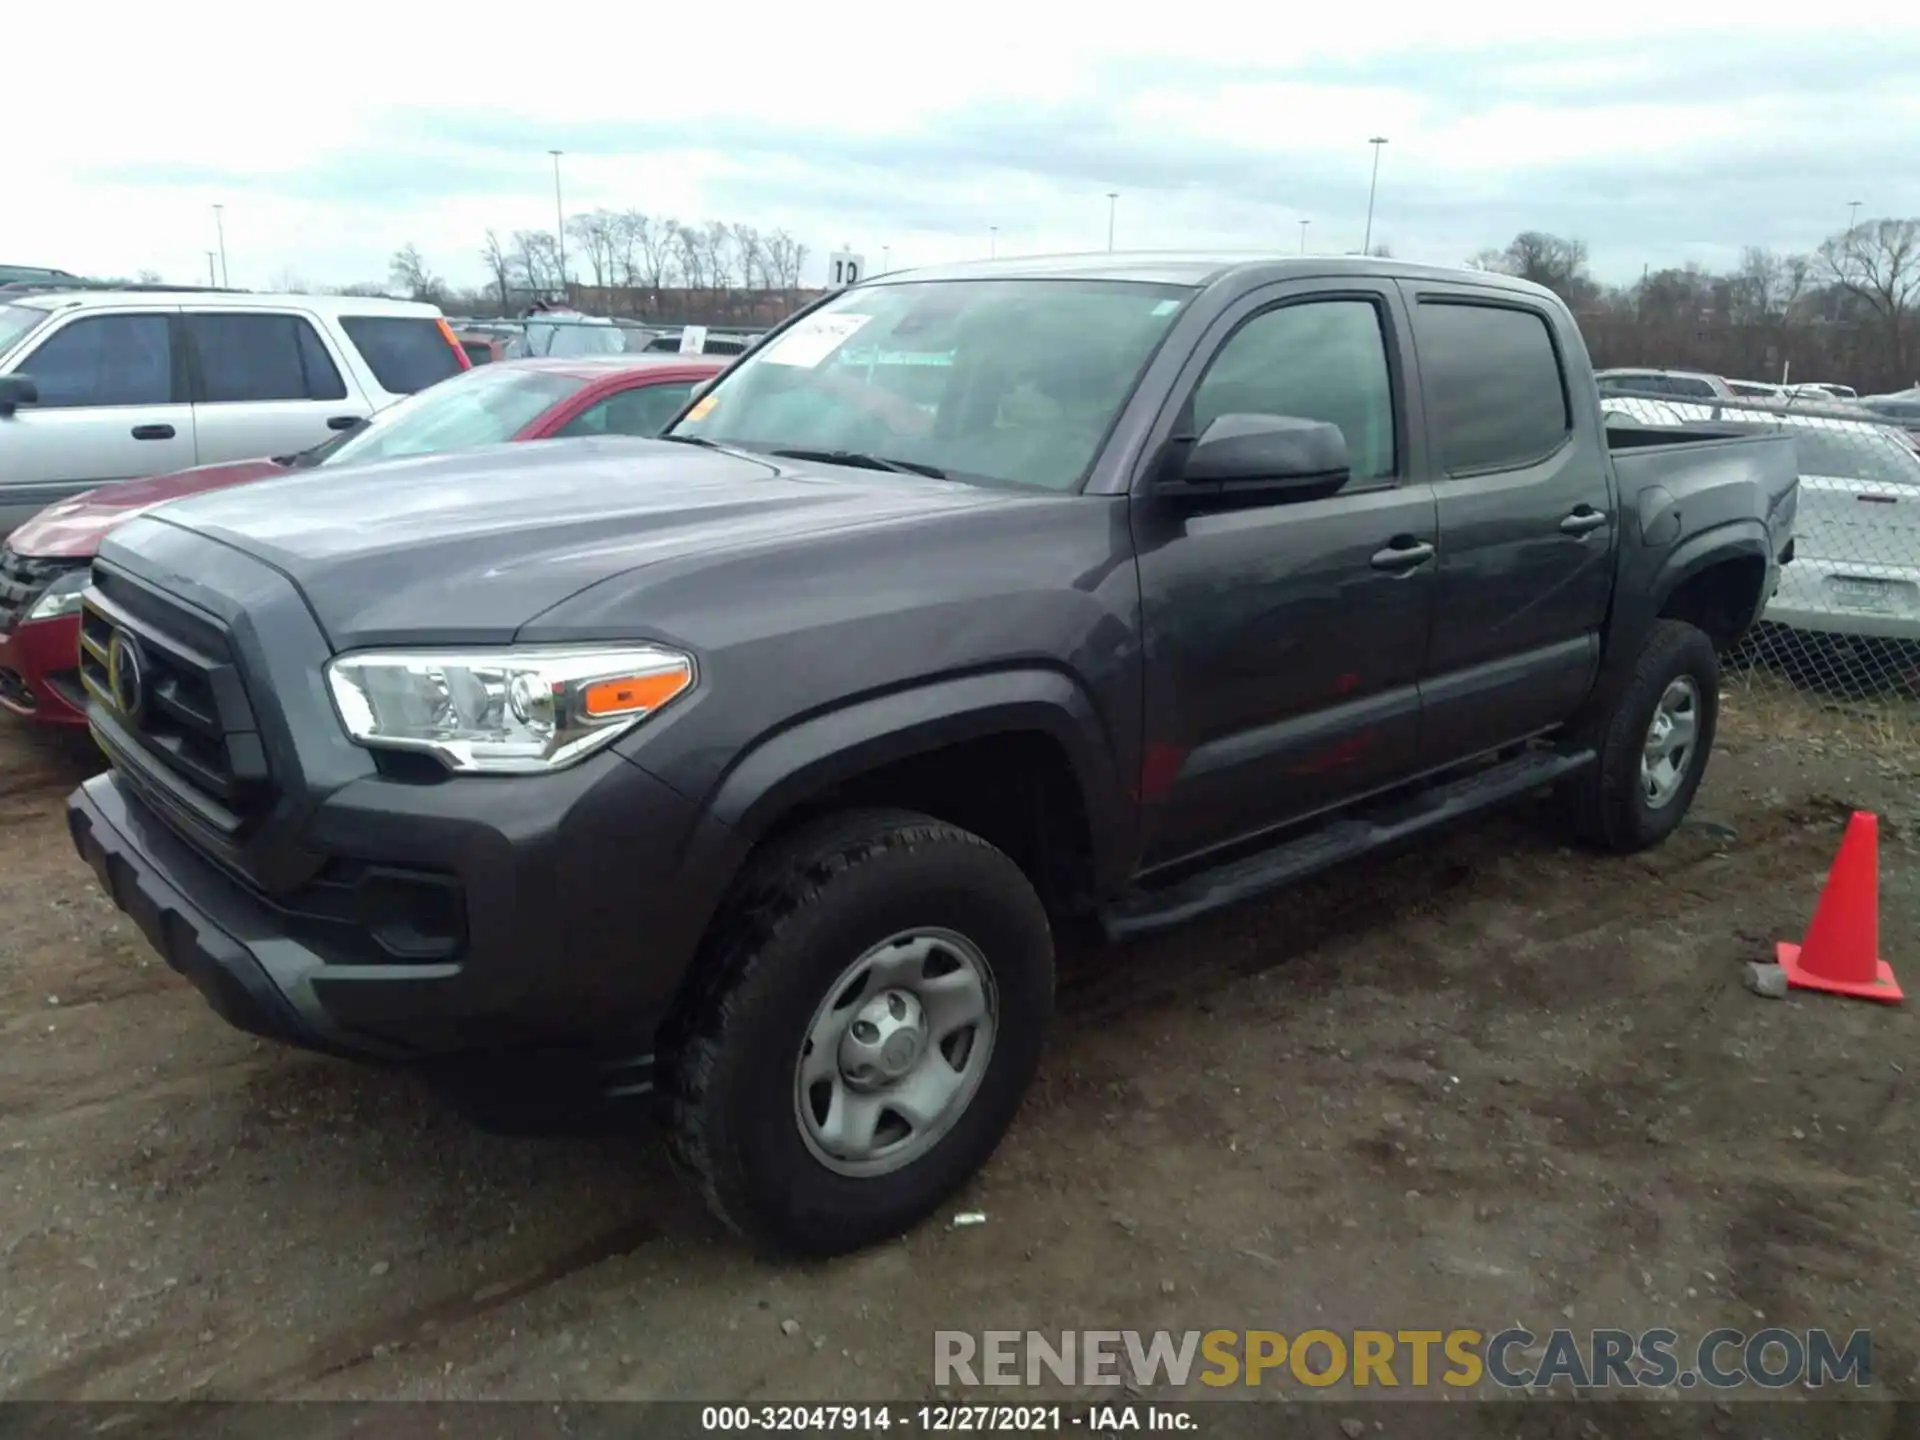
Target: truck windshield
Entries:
(481, 407)
(1007, 381)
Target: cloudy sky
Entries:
(1657, 137)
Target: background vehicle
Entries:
(1902, 408)
(1685, 384)
(106, 385)
(43, 565)
(35, 275)
(1756, 390)
(752, 762)
(1856, 569)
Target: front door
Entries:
(1285, 641)
(112, 406)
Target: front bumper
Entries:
(570, 932)
(40, 671)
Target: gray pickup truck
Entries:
(753, 768)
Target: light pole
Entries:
(1113, 201)
(886, 259)
(1303, 235)
(1366, 245)
(211, 278)
(559, 223)
(220, 229)
(993, 241)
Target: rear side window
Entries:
(405, 352)
(1493, 380)
(261, 357)
(104, 360)
(643, 410)
(1690, 386)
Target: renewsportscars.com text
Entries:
(1513, 1359)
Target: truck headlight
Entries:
(509, 711)
(62, 597)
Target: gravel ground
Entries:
(1487, 1082)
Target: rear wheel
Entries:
(874, 1011)
(1652, 725)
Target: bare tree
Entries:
(690, 249)
(721, 257)
(748, 256)
(784, 259)
(537, 257)
(596, 236)
(1550, 260)
(410, 274)
(656, 242)
(499, 265)
(148, 277)
(1878, 265)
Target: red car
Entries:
(44, 565)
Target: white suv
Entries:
(104, 385)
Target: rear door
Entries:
(264, 382)
(112, 406)
(1526, 524)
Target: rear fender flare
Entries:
(1735, 540)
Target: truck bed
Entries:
(1708, 474)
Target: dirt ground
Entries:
(1488, 1082)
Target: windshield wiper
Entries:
(864, 461)
(700, 440)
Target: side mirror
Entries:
(15, 391)
(1263, 457)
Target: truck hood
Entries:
(467, 548)
(74, 527)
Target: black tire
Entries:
(1605, 804)
(802, 913)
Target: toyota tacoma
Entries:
(755, 767)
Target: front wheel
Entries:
(874, 1011)
(1652, 726)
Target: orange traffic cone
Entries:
(1841, 954)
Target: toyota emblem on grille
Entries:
(126, 680)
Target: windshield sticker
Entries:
(814, 339)
(703, 408)
(1166, 307)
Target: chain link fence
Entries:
(1845, 622)
(568, 335)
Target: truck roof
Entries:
(172, 298)
(1200, 268)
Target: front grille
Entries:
(175, 715)
(25, 578)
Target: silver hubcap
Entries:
(895, 1052)
(1670, 741)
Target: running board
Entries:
(1339, 839)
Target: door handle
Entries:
(153, 432)
(1583, 521)
(1403, 556)
(343, 422)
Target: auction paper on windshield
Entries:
(814, 339)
